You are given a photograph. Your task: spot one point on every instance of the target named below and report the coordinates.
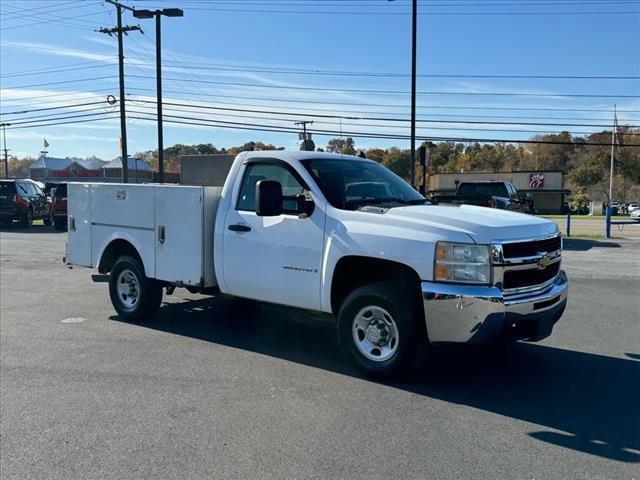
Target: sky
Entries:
(300, 59)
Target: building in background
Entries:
(49, 169)
(546, 188)
(56, 170)
(139, 171)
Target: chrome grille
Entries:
(531, 248)
(529, 277)
(526, 266)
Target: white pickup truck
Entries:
(329, 233)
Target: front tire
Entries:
(27, 220)
(134, 296)
(381, 332)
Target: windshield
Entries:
(483, 190)
(351, 184)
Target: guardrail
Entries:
(608, 222)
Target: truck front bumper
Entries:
(480, 314)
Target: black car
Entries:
(24, 201)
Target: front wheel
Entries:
(27, 219)
(381, 331)
(134, 296)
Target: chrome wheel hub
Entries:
(128, 289)
(375, 333)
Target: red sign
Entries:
(536, 180)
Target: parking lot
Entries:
(214, 388)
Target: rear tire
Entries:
(134, 296)
(59, 224)
(381, 332)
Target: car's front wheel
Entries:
(134, 296)
(27, 219)
(381, 332)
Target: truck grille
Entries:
(530, 277)
(530, 249)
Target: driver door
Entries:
(273, 259)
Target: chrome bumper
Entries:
(478, 314)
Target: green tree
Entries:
(398, 161)
(308, 145)
(342, 145)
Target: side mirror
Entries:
(268, 198)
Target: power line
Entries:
(399, 92)
(55, 115)
(52, 124)
(360, 124)
(18, 122)
(387, 105)
(360, 13)
(348, 113)
(382, 119)
(79, 80)
(57, 21)
(41, 71)
(296, 71)
(393, 137)
(20, 112)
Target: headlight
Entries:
(463, 263)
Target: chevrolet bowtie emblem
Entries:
(544, 261)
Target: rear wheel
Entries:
(134, 296)
(381, 332)
(60, 223)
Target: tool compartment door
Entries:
(79, 206)
(179, 234)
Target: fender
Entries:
(148, 263)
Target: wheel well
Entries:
(352, 272)
(115, 250)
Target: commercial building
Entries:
(545, 187)
(55, 170)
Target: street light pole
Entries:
(167, 12)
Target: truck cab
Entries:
(335, 234)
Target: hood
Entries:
(482, 224)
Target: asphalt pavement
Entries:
(216, 388)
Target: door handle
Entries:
(239, 228)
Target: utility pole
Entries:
(6, 152)
(414, 28)
(304, 136)
(167, 12)
(119, 30)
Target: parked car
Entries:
(635, 215)
(23, 200)
(59, 206)
(632, 207)
(328, 233)
(494, 194)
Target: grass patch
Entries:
(577, 217)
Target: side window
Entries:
(291, 188)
